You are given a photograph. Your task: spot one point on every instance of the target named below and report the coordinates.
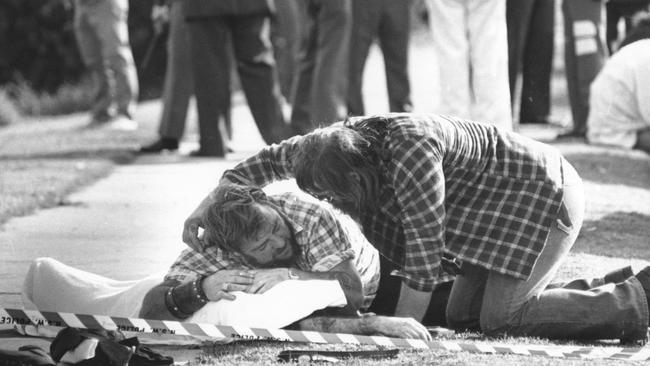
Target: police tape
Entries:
(222, 332)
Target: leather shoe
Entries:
(159, 146)
(618, 275)
(200, 153)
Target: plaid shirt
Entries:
(485, 196)
(326, 239)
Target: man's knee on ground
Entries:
(461, 321)
(497, 322)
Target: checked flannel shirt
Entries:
(326, 239)
(485, 196)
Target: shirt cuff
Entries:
(326, 264)
(420, 283)
(180, 275)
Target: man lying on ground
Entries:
(254, 242)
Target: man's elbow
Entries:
(147, 308)
(153, 305)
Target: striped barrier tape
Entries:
(60, 319)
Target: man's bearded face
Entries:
(274, 245)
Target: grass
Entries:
(265, 353)
(41, 163)
(68, 98)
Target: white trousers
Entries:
(471, 45)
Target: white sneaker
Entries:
(123, 123)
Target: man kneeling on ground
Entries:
(253, 241)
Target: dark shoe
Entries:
(573, 134)
(200, 153)
(618, 275)
(635, 340)
(163, 144)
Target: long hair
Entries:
(327, 157)
(232, 218)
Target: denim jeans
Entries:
(502, 304)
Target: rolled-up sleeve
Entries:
(268, 165)
(329, 244)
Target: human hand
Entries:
(265, 279)
(397, 327)
(193, 223)
(218, 285)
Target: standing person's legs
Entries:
(447, 20)
(116, 50)
(329, 88)
(258, 75)
(538, 63)
(488, 48)
(210, 57)
(584, 56)
(523, 307)
(179, 83)
(91, 53)
(302, 99)
(285, 35)
(394, 35)
(365, 23)
(517, 25)
(518, 13)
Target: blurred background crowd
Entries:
(300, 63)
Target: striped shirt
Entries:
(483, 195)
(326, 239)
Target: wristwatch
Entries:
(292, 274)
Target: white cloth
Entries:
(53, 286)
(471, 45)
(619, 99)
(280, 306)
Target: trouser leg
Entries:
(285, 35)
(583, 54)
(302, 99)
(329, 86)
(488, 50)
(91, 53)
(116, 51)
(518, 13)
(538, 63)
(365, 22)
(394, 34)
(258, 75)
(447, 23)
(178, 76)
(209, 45)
